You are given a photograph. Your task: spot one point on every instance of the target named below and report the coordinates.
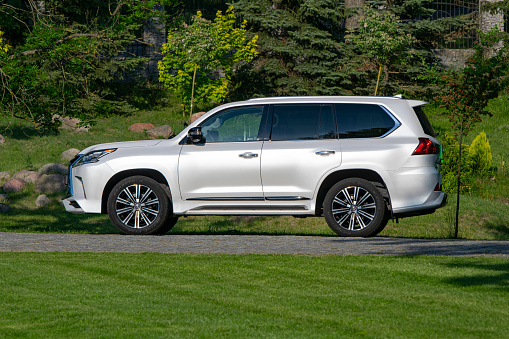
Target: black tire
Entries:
(355, 208)
(138, 206)
(170, 222)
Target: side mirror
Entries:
(194, 136)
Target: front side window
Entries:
(303, 122)
(363, 121)
(234, 125)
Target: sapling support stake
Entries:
(192, 91)
(378, 79)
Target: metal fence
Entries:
(462, 31)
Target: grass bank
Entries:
(87, 295)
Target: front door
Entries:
(226, 166)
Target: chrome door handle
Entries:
(325, 152)
(248, 155)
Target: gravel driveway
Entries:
(244, 244)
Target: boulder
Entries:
(14, 185)
(69, 154)
(140, 127)
(72, 124)
(2, 139)
(4, 208)
(27, 176)
(53, 168)
(42, 201)
(195, 116)
(4, 176)
(158, 132)
(50, 183)
(4, 197)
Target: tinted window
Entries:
(362, 121)
(237, 124)
(303, 122)
(423, 119)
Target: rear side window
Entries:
(423, 119)
(303, 122)
(363, 121)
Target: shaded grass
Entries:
(62, 295)
(480, 219)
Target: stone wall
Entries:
(154, 36)
(453, 58)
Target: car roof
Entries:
(345, 98)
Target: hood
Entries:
(125, 144)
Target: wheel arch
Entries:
(335, 177)
(146, 172)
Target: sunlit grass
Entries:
(86, 295)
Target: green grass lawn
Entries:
(90, 295)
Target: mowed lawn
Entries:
(92, 295)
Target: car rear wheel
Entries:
(138, 205)
(355, 208)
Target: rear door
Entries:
(303, 147)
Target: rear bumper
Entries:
(423, 209)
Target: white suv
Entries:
(358, 161)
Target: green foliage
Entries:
(382, 39)
(476, 160)
(67, 63)
(480, 154)
(301, 49)
(467, 94)
(4, 48)
(201, 50)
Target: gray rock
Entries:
(72, 124)
(53, 168)
(42, 201)
(27, 176)
(2, 139)
(50, 183)
(4, 208)
(4, 176)
(164, 132)
(14, 185)
(499, 127)
(4, 197)
(69, 154)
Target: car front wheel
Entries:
(139, 206)
(355, 208)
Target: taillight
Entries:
(426, 146)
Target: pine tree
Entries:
(301, 48)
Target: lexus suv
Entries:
(358, 161)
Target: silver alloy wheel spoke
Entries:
(354, 208)
(137, 206)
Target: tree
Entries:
(196, 52)
(467, 94)
(68, 59)
(301, 49)
(382, 39)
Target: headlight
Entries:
(93, 156)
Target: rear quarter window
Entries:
(363, 121)
(423, 119)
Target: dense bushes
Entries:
(475, 164)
